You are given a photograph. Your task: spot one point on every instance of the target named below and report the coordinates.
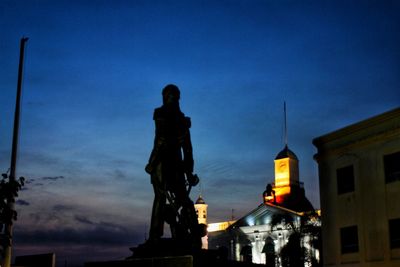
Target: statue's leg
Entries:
(157, 216)
(188, 218)
(171, 214)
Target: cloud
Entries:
(53, 178)
(22, 202)
(83, 220)
(60, 207)
(118, 174)
(35, 182)
(42, 219)
(107, 226)
(101, 234)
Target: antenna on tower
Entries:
(285, 123)
(200, 188)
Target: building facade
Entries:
(359, 174)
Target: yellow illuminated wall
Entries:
(215, 227)
(286, 175)
(282, 174)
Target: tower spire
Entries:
(285, 123)
(200, 189)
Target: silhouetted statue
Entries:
(171, 169)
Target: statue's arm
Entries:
(159, 142)
(187, 148)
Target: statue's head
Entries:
(171, 94)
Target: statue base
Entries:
(163, 247)
(167, 252)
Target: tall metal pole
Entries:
(8, 228)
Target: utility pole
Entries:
(8, 228)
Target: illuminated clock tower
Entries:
(287, 190)
(201, 210)
(286, 173)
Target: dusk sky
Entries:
(94, 71)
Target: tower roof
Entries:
(286, 153)
(200, 200)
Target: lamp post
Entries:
(8, 227)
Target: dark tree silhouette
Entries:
(8, 192)
(294, 254)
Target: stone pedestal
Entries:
(169, 253)
(174, 261)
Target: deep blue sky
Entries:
(94, 71)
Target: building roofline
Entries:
(285, 209)
(356, 127)
(260, 210)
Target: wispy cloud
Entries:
(118, 174)
(84, 220)
(22, 202)
(61, 208)
(102, 233)
(30, 183)
(53, 178)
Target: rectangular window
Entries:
(349, 239)
(392, 167)
(345, 179)
(394, 233)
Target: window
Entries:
(392, 167)
(349, 239)
(345, 179)
(394, 233)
